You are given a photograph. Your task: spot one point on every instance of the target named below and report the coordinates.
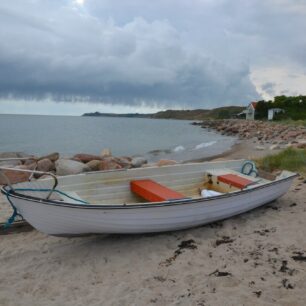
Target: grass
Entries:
(289, 159)
(291, 122)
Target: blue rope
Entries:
(55, 190)
(12, 218)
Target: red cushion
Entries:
(234, 180)
(154, 192)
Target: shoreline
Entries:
(256, 258)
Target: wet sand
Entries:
(258, 258)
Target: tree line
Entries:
(294, 108)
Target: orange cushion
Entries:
(234, 180)
(154, 192)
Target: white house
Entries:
(250, 111)
(273, 111)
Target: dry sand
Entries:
(245, 260)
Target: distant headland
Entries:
(225, 112)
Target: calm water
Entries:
(152, 138)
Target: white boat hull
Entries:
(80, 219)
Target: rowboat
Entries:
(144, 200)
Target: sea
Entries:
(154, 139)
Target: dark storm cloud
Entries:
(189, 53)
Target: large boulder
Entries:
(67, 167)
(109, 165)
(138, 161)
(14, 155)
(301, 145)
(124, 161)
(10, 163)
(45, 165)
(85, 158)
(14, 177)
(53, 156)
(29, 161)
(94, 165)
(166, 162)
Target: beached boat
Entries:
(143, 200)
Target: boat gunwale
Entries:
(14, 194)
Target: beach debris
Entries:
(218, 273)
(286, 284)
(275, 250)
(284, 268)
(160, 278)
(185, 244)
(225, 239)
(264, 232)
(217, 224)
(257, 293)
(299, 257)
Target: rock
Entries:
(14, 155)
(28, 167)
(259, 148)
(166, 162)
(10, 163)
(274, 147)
(106, 153)
(53, 156)
(125, 162)
(67, 167)
(14, 177)
(85, 158)
(29, 162)
(301, 145)
(138, 161)
(148, 165)
(45, 165)
(109, 165)
(94, 164)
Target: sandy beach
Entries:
(253, 259)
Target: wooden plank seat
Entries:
(235, 180)
(153, 191)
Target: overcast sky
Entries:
(68, 56)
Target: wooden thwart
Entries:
(235, 180)
(154, 192)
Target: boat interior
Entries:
(166, 183)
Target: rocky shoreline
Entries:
(261, 132)
(76, 164)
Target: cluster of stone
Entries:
(57, 165)
(261, 131)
